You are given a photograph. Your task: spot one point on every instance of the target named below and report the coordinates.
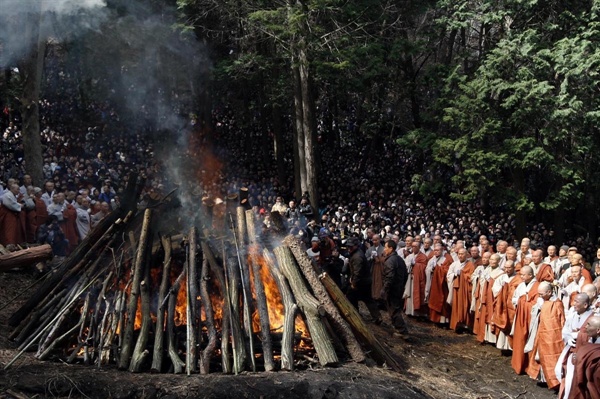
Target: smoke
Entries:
(20, 20)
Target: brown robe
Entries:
(419, 282)
(377, 278)
(548, 342)
(438, 293)
(69, 227)
(461, 298)
(520, 359)
(586, 381)
(41, 212)
(12, 226)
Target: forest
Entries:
(495, 101)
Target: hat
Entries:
(401, 244)
(352, 242)
(565, 248)
(314, 239)
(323, 232)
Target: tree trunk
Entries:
(25, 257)
(31, 68)
(278, 143)
(309, 306)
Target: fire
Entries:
(274, 301)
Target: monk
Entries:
(12, 217)
(586, 382)
(574, 335)
(548, 343)
(523, 299)
(478, 286)
(543, 271)
(437, 289)
(504, 311)
(485, 310)
(69, 224)
(459, 295)
(417, 265)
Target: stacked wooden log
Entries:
(121, 297)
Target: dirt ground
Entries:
(438, 363)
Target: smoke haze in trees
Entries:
(16, 15)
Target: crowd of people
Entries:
(540, 305)
(445, 261)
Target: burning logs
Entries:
(122, 300)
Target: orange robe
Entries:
(504, 311)
(438, 293)
(479, 297)
(461, 298)
(485, 309)
(548, 343)
(419, 282)
(520, 359)
(544, 273)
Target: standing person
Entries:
(547, 342)
(12, 217)
(504, 311)
(83, 219)
(459, 296)
(417, 269)
(552, 260)
(486, 308)
(360, 279)
(375, 257)
(48, 193)
(574, 335)
(436, 291)
(586, 381)
(523, 299)
(542, 271)
(395, 275)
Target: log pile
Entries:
(189, 303)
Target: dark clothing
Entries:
(395, 275)
(333, 267)
(360, 284)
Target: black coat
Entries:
(360, 273)
(395, 275)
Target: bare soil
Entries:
(439, 364)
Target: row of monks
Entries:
(541, 309)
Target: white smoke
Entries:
(17, 16)
(67, 7)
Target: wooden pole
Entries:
(290, 307)
(309, 306)
(211, 346)
(192, 293)
(263, 311)
(138, 274)
(350, 313)
(340, 326)
(161, 310)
